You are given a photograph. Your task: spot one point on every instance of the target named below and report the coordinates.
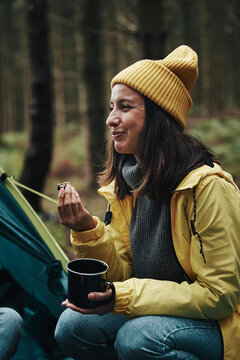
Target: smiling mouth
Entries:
(117, 135)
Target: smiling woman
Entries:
(126, 119)
(172, 240)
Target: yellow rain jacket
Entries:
(210, 255)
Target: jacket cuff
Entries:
(122, 299)
(78, 237)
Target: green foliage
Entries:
(12, 147)
(223, 138)
(69, 147)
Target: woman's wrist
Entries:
(87, 224)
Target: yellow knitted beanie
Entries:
(167, 82)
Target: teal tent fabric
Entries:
(32, 279)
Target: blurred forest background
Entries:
(57, 58)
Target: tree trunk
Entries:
(152, 30)
(38, 156)
(7, 79)
(218, 57)
(205, 61)
(93, 75)
(190, 36)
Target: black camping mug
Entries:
(85, 276)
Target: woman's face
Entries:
(126, 119)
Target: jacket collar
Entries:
(195, 176)
(189, 182)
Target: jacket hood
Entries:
(195, 176)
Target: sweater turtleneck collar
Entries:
(132, 173)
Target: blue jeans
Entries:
(10, 332)
(110, 337)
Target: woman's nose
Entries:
(113, 119)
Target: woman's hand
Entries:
(95, 296)
(71, 211)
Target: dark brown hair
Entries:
(166, 155)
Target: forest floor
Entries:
(69, 163)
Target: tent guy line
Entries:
(4, 176)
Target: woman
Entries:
(171, 241)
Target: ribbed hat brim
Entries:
(159, 84)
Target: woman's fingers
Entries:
(77, 206)
(65, 302)
(105, 307)
(72, 212)
(60, 205)
(100, 296)
(66, 200)
(69, 201)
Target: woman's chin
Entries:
(122, 149)
(119, 149)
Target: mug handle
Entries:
(110, 284)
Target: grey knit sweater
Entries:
(150, 233)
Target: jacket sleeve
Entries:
(216, 291)
(107, 243)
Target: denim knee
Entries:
(10, 331)
(88, 337)
(129, 341)
(80, 337)
(63, 331)
(153, 337)
(11, 322)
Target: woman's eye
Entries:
(126, 107)
(122, 107)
